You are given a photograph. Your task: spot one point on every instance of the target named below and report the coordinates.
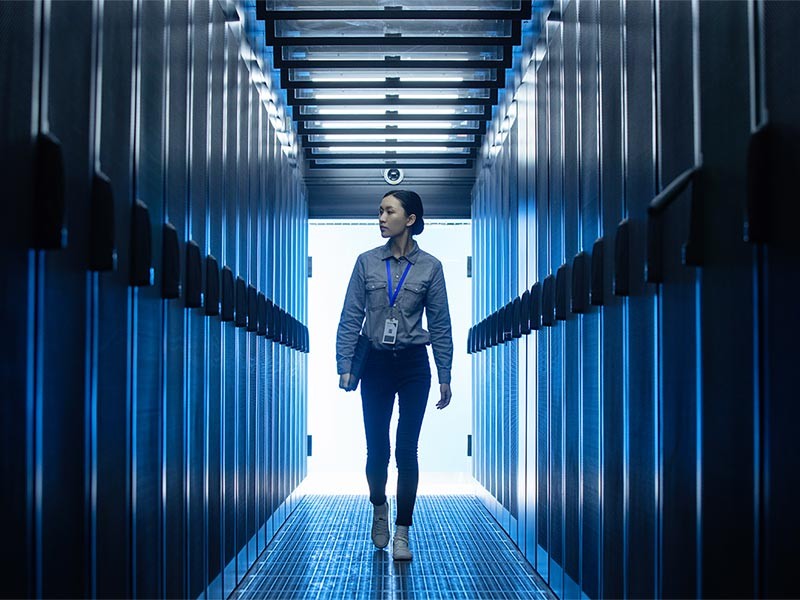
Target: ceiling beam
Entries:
(486, 115)
(393, 144)
(281, 63)
(309, 153)
(491, 100)
(313, 164)
(302, 129)
(393, 83)
(391, 39)
(389, 13)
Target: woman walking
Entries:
(389, 288)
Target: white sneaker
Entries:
(400, 549)
(380, 525)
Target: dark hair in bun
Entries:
(412, 204)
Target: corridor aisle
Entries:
(324, 551)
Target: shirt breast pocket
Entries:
(413, 296)
(376, 294)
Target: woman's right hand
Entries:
(344, 381)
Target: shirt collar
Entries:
(411, 256)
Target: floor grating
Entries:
(324, 551)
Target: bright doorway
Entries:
(334, 416)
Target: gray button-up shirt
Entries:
(367, 305)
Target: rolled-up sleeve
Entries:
(352, 318)
(438, 313)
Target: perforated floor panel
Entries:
(324, 551)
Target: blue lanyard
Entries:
(393, 296)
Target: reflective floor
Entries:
(324, 551)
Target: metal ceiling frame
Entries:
(394, 63)
(390, 115)
(397, 40)
(491, 100)
(394, 83)
(390, 13)
(390, 155)
(313, 164)
(303, 129)
(390, 143)
(391, 56)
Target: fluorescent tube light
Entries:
(442, 79)
(345, 79)
(381, 111)
(428, 96)
(356, 137)
(382, 124)
(398, 149)
(380, 96)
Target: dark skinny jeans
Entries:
(406, 373)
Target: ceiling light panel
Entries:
(385, 137)
(388, 94)
(473, 144)
(335, 111)
(488, 28)
(399, 125)
(404, 53)
(381, 165)
(388, 162)
(382, 4)
(445, 128)
(402, 75)
(397, 150)
(389, 119)
(373, 84)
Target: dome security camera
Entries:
(393, 176)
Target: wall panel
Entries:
(262, 483)
(555, 63)
(591, 355)
(215, 235)
(20, 33)
(121, 431)
(61, 397)
(111, 361)
(726, 291)
(253, 279)
(175, 213)
(519, 156)
(677, 314)
(242, 364)
(780, 493)
(572, 350)
(658, 459)
(229, 333)
(542, 341)
(197, 367)
(531, 437)
(147, 370)
(638, 48)
(613, 375)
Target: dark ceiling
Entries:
(372, 86)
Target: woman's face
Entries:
(392, 217)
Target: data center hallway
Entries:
(610, 193)
(324, 551)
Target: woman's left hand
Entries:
(444, 389)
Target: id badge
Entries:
(390, 332)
